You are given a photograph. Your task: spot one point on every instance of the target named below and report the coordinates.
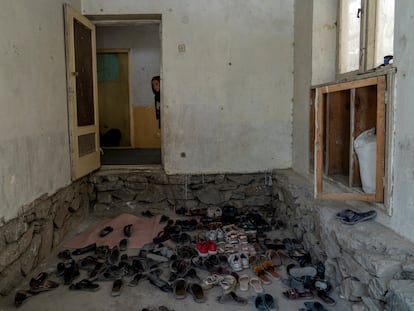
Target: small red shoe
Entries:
(211, 247)
(202, 248)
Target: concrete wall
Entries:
(145, 44)
(324, 41)
(302, 84)
(34, 143)
(403, 196)
(315, 63)
(227, 99)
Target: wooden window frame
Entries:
(367, 43)
(319, 143)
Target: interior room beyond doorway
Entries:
(129, 55)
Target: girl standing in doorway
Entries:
(155, 85)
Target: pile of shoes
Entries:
(226, 247)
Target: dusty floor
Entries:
(144, 295)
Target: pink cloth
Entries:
(144, 229)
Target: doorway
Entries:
(131, 50)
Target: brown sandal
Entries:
(260, 272)
(270, 268)
(293, 294)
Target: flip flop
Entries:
(358, 217)
(244, 282)
(256, 284)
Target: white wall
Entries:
(302, 84)
(403, 195)
(324, 41)
(145, 44)
(34, 145)
(227, 100)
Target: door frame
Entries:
(133, 20)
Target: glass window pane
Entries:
(350, 23)
(384, 30)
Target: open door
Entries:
(82, 93)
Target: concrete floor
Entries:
(144, 295)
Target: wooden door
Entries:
(82, 93)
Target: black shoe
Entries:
(123, 245)
(86, 249)
(105, 231)
(85, 285)
(148, 214)
(113, 259)
(128, 230)
(71, 272)
(156, 281)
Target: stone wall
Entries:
(155, 189)
(40, 227)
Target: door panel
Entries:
(82, 93)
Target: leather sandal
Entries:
(260, 272)
(85, 285)
(270, 268)
(293, 294)
(197, 292)
(180, 288)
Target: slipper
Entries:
(117, 287)
(45, 286)
(161, 284)
(256, 284)
(323, 295)
(314, 306)
(180, 288)
(128, 230)
(105, 231)
(269, 302)
(244, 282)
(21, 296)
(259, 303)
(38, 280)
(85, 285)
(260, 272)
(123, 245)
(86, 249)
(135, 280)
(346, 213)
(293, 294)
(358, 217)
(197, 292)
(232, 298)
(270, 268)
(148, 214)
(298, 272)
